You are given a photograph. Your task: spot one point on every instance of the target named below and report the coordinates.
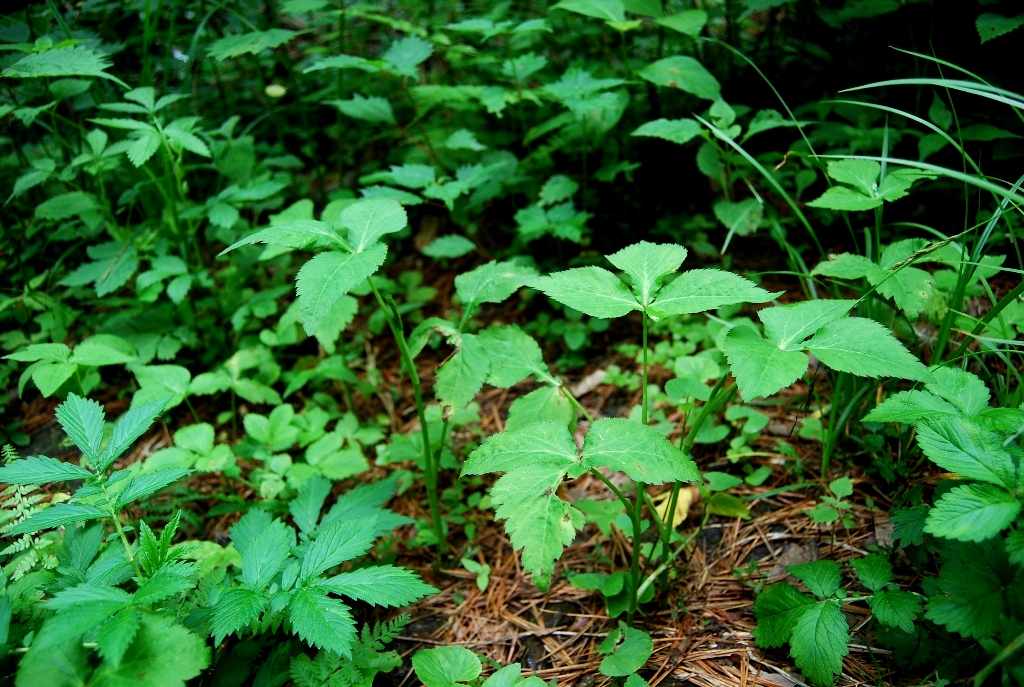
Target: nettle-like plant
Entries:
(537, 458)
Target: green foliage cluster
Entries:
(214, 213)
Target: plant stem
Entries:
(117, 526)
(641, 488)
(1009, 650)
(430, 466)
(575, 403)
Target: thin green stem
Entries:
(575, 403)
(117, 526)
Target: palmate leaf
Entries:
(41, 470)
(462, 376)
(322, 622)
(67, 61)
(761, 368)
(973, 512)
(819, 642)
(380, 585)
(865, 348)
(57, 516)
(646, 263)
(636, 450)
(707, 289)
(82, 420)
(778, 608)
(339, 542)
(593, 291)
(329, 276)
(959, 445)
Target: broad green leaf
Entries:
(149, 483)
(170, 579)
(629, 656)
(67, 61)
(406, 54)
(696, 291)
(557, 189)
(163, 654)
(684, 73)
(82, 420)
(593, 291)
(639, 451)
(103, 349)
(380, 585)
(65, 665)
(969, 601)
(689, 22)
(1015, 546)
(297, 233)
(973, 512)
(895, 608)
(908, 525)
(252, 43)
(368, 220)
(958, 445)
(513, 356)
(911, 288)
(777, 609)
(490, 283)
(329, 276)
(646, 263)
(862, 175)
(446, 666)
(821, 577)
(874, 571)
(41, 470)
(265, 554)
(908, 407)
(49, 378)
(373, 109)
(339, 542)
(961, 388)
(450, 246)
(546, 404)
(460, 379)
(305, 507)
(343, 62)
(850, 266)
(789, 325)
(991, 25)
(675, 130)
(57, 516)
(608, 10)
(741, 218)
(843, 198)
(819, 642)
(728, 506)
(128, 428)
(115, 635)
(67, 205)
(236, 608)
(761, 368)
(544, 442)
(161, 381)
(866, 348)
(721, 481)
(50, 352)
(322, 622)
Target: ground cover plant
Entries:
(617, 342)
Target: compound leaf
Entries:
(761, 368)
(322, 622)
(819, 642)
(865, 348)
(707, 289)
(593, 291)
(636, 450)
(646, 263)
(777, 610)
(329, 276)
(41, 470)
(82, 419)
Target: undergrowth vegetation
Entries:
(265, 263)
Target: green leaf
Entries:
(368, 220)
(161, 381)
(128, 428)
(41, 470)
(895, 608)
(629, 656)
(544, 442)
(684, 73)
(251, 43)
(305, 507)
(56, 516)
(819, 642)
(608, 10)
(49, 352)
(446, 666)
(844, 198)
(593, 291)
(689, 22)
(850, 266)
(908, 407)
(821, 577)
(297, 233)
(115, 635)
(103, 349)
(65, 665)
(696, 291)
(265, 554)
(908, 525)
(490, 283)
(865, 348)
(742, 218)
(646, 263)
(380, 585)
(329, 276)
(149, 483)
(50, 377)
(322, 622)
(67, 61)
(170, 579)
(861, 174)
(639, 451)
(163, 654)
(969, 601)
(990, 25)
(339, 542)
(789, 325)
(675, 130)
(777, 609)
(728, 506)
(761, 368)
(959, 445)
(462, 376)
(513, 356)
(406, 54)
(961, 388)
(450, 247)
(546, 404)
(874, 571)
(235, 609)
(373, 109)
(1015, 546)
(973, 512)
